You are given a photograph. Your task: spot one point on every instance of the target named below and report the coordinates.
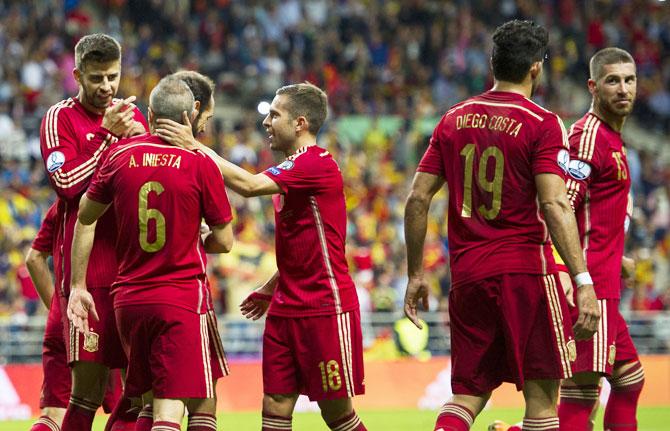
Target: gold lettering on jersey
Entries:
(622, 174)
(132, 163)
(154, 160)
(495, 123)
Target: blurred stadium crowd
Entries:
(391, 68)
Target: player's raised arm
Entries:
(563, 229)
(238, 179)
(423, 189)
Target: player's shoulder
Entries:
(60, 110)
(540, 111)
(583, 135)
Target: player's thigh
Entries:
(57, 380)
(538, 330)
(330, 356)
(478, 355)
(280, 367)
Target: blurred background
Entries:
(391, 69)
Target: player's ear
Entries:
(76, 73)
(302, 124)
(592, 86)
(535, 70)
(150, 115)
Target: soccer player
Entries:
(504, 159)
(57, 380)
(160, 193)
(73, 135)
(312, 342)
(598, 189)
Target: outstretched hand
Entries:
(255, 305)
(78, 308)
(120, 118)
(177, 134)
(417, 293)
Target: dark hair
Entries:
(306, 100)
(98, 47)
(607, 56)
(516, 46)
(201, 86)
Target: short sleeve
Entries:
(431, 162)
(45, 236)
(307, 172)
(581, 167)
(100, 189)
(551, 152)
(215, 206)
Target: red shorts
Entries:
(57, 377)
(611, 345)
(102, 345)
(508, 328)
(170, 350)
(57, 381)
(320, 356)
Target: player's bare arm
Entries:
(424, 187)
(563, 229)
(36, 262)
(257, 303)
(627, 267)
(219, 239)
(238, 179)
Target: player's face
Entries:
(280, 125)
(203, 118)
(98, 83)
(614, 92)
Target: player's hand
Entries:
(566, 284)
(137, 128)
(627, 267)
(177, 134)
(417, 293)
(589, 313)
(255, 305)
(79, 306)
(120, 118)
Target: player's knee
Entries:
(89, 380)
(627, 377)
(279, 404)
(333, 410)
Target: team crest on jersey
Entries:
(91, 342)
(286, 165)
(572, 350)
(563, 160)
(55, 161)
(579, 169)
(611, 355)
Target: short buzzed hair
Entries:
(201, 86)
(98, 48)
(306, 100)
(516, 46)
(170, 98)
(607, 56)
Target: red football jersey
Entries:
(311, 226)
(160, 193)
(489, 149)
(598, 188)
(72, 142)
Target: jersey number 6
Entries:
(146, 214)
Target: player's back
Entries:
(489, 149)
(159, 194)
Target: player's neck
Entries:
(614, 121)
(524, 88)
(88, 106)
(302, 141)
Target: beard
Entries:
(98, 102)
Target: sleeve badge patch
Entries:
(274, 171)
(564, 160)
(579, 169)
(55, 161)
(286, 165)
